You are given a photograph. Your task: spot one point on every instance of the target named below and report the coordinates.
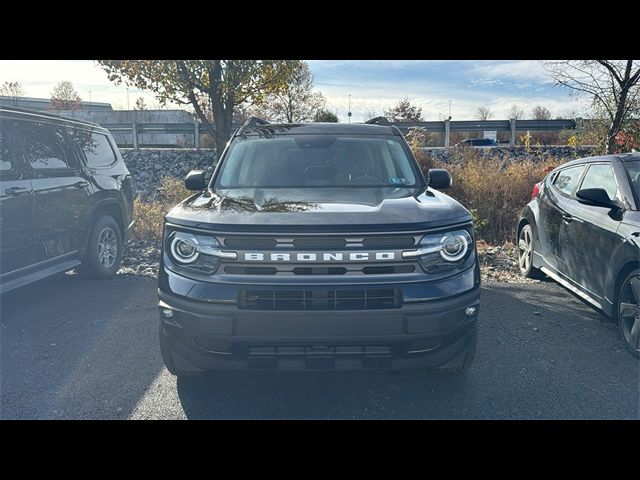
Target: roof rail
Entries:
(48, 114)
(379, 121)
(251, 122)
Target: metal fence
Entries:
(444, 126)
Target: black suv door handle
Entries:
(16, 191)
(81, 184)
(567, 218)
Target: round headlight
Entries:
(183, 250)
(454, 248)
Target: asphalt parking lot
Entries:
(74, 348)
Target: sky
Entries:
(373, 86)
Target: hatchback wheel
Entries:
(525, 254)
(629, 312)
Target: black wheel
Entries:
(104, 251)
(628, 312)
(469, 356)
(166, 352)
(525, 254)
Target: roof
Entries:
(35, 115)
(319, 128)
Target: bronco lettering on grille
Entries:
(319, 257)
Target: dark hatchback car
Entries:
(66, 198)
(582, 228)
(318, 246)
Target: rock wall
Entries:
(148, 167)
(519, 152)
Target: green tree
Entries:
(12, 90)
(65, 97)
(296, 102)
(404, 111)
(215, 86)
(325, 116)
(612, 86)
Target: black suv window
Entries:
(96, 148)
(5, 159)
(43, 146)
(567, 179)
(601, 176)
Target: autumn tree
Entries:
(296, 102)
(483, 113)
(325, 116)
(65, 97)
(140, 104)
(612, 87)
(14, 92)
(404, 111)
(217, 86)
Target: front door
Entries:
(16, 208)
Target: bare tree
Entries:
(515, 112)
(483, 113)
(12, 90)
(611, 85)
(541, 113)
(65, 97)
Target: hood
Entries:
(319, 209)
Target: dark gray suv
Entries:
(318, 246)
(66, 198)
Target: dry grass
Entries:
(149, 215)
(493, 190)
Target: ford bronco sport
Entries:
(318, 246)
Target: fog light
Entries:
(470, 311)
(167, 312)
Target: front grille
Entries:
(307, 299)
(351, 269)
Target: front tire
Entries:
(628, 312)
(525, 254)
(104, 250)
(469, 356)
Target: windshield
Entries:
(317, 161)
(633, 168)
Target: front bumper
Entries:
(431, 333)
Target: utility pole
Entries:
(128, 98)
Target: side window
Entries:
(601, 176)
(5, 160)
(567, 179)
(96, 148)
(43, 146)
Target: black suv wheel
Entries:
(628, 312)
(166, 352)
(104, 251)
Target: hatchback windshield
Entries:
(317, 161)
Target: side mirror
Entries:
(195, 180)
(598, 197)
(439, 178)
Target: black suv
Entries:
(582, 228)
(318, 246)
(66, 198)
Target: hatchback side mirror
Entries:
(195, 180)
(598, 197)
(439, 178)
